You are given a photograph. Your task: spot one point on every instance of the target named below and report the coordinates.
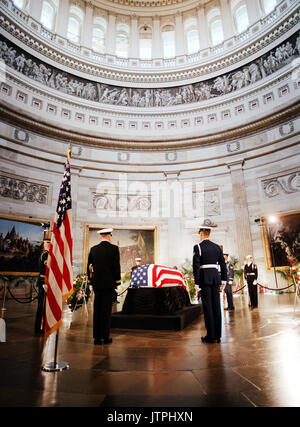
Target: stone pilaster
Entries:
(242, 223)
(62, 18)
(228, 28)
(203, 28)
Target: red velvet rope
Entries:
(265, 287)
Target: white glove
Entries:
(229, 282)
(255, 282)
(45, 288)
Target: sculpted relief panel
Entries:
(19, 189)
(281, 185)
(141, 204)
(54, 78)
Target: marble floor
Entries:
(256, 364)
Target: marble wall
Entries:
(259, 178)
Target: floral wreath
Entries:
(295, 275)
(81, 292)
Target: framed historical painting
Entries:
(281, 237)
(133, 243)
(21, 244)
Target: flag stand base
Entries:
(55, 367)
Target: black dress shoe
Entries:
(218, 340)
(206, 339)
(108, 341)
(98, 342)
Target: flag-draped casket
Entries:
(156, 276)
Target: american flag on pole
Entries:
(156, 276)
(59, 277)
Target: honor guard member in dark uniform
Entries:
(250, 274)
(137, 264)
(206, 259)
(42, 289)
(105, 261)
(228, 287)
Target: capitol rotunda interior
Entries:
(176, 114)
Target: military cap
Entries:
(105, 231)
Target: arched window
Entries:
(215, 26)
(192, 35)
(49, 9)
(122, 40)
(19, 3)
(145, 42)
(98, 35)
(269, 5)
(216, 32)
(75, 24)
(168, 41)
(241, 18)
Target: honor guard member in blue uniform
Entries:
(228, 287)
(250, 274)
(207, 258)
(104, 273)
(42, 289)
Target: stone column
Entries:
(203, 28)
(35, 10)
(254, 11)
(111, 35)
(87, 26)
(242, 223)
(156, 41)
(226, 14)
(62, 18)
(134, 37)
(179, 35)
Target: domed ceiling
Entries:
(146, 4)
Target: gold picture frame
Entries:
(279, 242)
(23, 229)
(88, 243)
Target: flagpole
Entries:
(56, 366)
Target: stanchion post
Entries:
(3, 309)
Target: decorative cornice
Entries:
(38, 126)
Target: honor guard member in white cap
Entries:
(206, 259)
(138, 263)
(228, 287)
(105, 261)
(250, 274)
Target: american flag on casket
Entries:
(156, 276)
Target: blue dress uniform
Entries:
(251, 274)
(39, 324)
(206, 259)
(228, 287)
(105, 261)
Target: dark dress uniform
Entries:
(228, 287)
(40, 313)
(105, 260)
(250, 274)
(206, 259)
